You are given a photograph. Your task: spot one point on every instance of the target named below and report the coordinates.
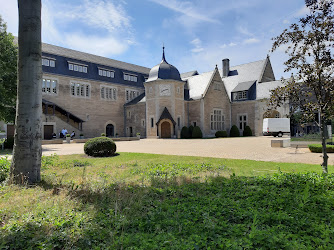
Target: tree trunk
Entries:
(324, 149)
(26, 163)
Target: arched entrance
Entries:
(166, 130)
(110, 130)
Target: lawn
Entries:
(146, 201)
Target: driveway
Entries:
(251, 148)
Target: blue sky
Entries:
(197, 34)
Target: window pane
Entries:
(84, 69)
(52, 63)
(87, 91)
(54, 86)
(104, 73)
(72, 89)
(114, 94)
(112, 74)
(44, 85)
(80, 68)
(70, 66)
(75, 67)
(108, 73)
(48, 86)
(100, 72)
(102, 92)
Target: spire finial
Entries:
(163, 52)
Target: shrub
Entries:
(190, 129)
(103, 134)
(68, 135)
(234, 132)
(184, 132)
(9, 143)
(100, 147)
(4, 168)
(221, 133)
(247, 131)
(197, 133)
(317, 148)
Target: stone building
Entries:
(90, 95)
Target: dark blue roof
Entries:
(164, 70)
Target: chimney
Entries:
(226, 67)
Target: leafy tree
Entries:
(26, 163)
(310, 45)
(8, 74)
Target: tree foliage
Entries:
(310, 45)
(8, 74)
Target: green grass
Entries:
(146, 201)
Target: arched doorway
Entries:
(110, 130)
(166, 130)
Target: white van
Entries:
(276, 126)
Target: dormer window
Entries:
(77, 67)
(106, 73)
(240, 95)
(129, 77)
(49, 62)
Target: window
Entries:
(152, 122)
(217, 120)
(131, 94)
(241, 95)
(143, 123)
(77, 67)
(129, 77)
(108, 93)
(178, 90)
(179, 122)
(49, 86)
(49, 62)
(242, 120)
(80, 89)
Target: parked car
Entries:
(276, 126)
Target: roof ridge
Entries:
(248, 63)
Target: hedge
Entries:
(100, 147)
(317, 148)
(247, 131)
(197, 133)
(221, 133)
(234, 132)
(184, 132)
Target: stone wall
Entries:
(95, 111)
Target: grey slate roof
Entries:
(189, 74)
(243, 73)
(56, 50)
(140, 98)
(263, 89)
(243, 86)
(198, 84)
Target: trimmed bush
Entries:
(234, 132)
(221, 133)
(317, 148)
(184, 133)
(103, 134)
(197, 132)
(100, 147)
(190, 129)
(247, 131)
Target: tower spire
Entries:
(163, 52)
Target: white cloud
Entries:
(223, 46)
(198, 45)
(186, 8)
(243, 30)
(251, 40)
(285, 21)
(102, 45)
(231, 44)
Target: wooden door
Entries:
(48, 131)
(165, 130)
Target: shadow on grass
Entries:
(282, 211)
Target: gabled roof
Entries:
(249, 72)
(263, 89)
(83, 56)
(140, 98)
(243, 86)
(166, 115)
(189, 74)
(198, 84)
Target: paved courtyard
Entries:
(252, 148)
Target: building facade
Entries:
(90, 95)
